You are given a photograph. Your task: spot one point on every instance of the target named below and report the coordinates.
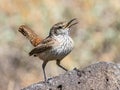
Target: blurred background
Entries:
(96, 37)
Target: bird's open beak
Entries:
(71, 23)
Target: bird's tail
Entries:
(30, 35)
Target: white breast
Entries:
(64, 47)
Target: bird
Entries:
(57, 45)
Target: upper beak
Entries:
(71, 23)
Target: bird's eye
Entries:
(60, 27)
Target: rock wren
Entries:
(56, 46)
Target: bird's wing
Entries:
(45, 45)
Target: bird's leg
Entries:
(43, 67)
(58, 63)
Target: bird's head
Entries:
(62, 28)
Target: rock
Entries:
(98, 76)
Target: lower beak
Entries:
(71, 23)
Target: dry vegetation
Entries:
(96, 36)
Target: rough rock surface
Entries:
(98, 76)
